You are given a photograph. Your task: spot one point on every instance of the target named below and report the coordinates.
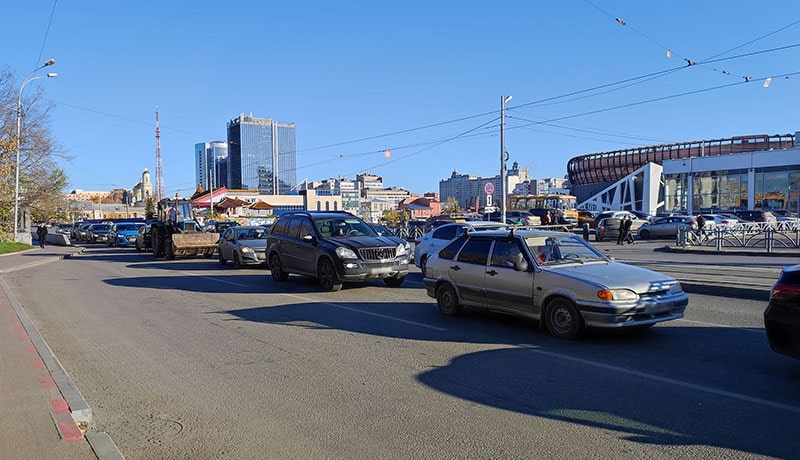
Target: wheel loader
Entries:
(177, 233)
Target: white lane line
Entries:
(761, 331)
(679, 383)
(393, 318)
(215, 279)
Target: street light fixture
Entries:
(29, 78)
(503, 185)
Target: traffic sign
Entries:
(488, 188)
(488, 200)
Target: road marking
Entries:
(670, 381)
(215, 279)
(393, 318)
(723, 325)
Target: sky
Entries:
(421, 79)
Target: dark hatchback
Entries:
(782, 316)
(334, 247)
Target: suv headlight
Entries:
(617, 294)
(246, 249)
(346, 253)
(403, 248)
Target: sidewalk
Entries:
(45, 416)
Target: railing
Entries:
(766, 235)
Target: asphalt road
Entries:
(187, 359)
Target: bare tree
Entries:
(41, 179)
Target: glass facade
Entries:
(262, 155)
(773, 188)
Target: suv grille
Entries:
(377, 253)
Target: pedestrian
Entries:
(701, 222)
(628, 233)
(41, 233)
(621, 235)
(547, 219)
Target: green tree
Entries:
(149, 207)
(450, 206)
(41, 180)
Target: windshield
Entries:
(342, 227)
(561, 248)
(252, 233)
(127, 227)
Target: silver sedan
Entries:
(554, 277)
(244, 245)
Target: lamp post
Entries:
(29, 78)
(503, 192)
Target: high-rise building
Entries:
(262, 155)
(210, 160)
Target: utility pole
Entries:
(503, 192)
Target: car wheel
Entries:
(423, 263)
(447, 300)
(598, 236)
(277, 269)
(237, 261)
(563, 320)
(644, 234)
(222, 260)
(169, 251)
(328, 278)
(394, 281)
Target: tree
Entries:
(450, 206)
(149, 207)
(41, 180)
(392, 216)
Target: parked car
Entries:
(587, 217)
(97, 233)
(667, 227)
(608, 228)
(83, 231)
(615, 214)
(756, 216)
(64, 229)
(782, 316)
(380, 229)
(123, 234)
(142, 241)
(244, 245)
(521, 218)
(713, 220)
(554, 277)
(434, 240)
(334, 247)
(219, 226)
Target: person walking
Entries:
(628, 233)
(701, 222)
(621, 235)
(41, 233)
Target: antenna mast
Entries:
(159, 169)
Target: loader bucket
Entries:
(195, 243)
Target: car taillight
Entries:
(780, 291)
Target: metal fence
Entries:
(764, 235)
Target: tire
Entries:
(328, 278)
(169, 251)
(563, 320)
(447, 300)
(423, 263)
(222, 260)
(276, 268)
(237, 261)
(598, 236)
(644, 234)
(138, 249)
(394, 281)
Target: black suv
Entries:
(334, 247)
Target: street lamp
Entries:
(29, 78)
(503, 192)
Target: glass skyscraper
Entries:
(261, 155)
(211, 164)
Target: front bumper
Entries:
(641, 313)
(359, 270)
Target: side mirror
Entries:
(309, 238)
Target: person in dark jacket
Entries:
(41, 233)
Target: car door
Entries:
(468, 271)
(305, 250)
(509, 280)
(226, 245)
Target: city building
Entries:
(424, 207)
(470, 191)
(743, 172)
(143, 189)
(369, 181)
(262, 155)
(211, 161)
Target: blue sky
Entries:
(421, 78)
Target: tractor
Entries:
(177, 233)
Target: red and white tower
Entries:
(159, 169)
